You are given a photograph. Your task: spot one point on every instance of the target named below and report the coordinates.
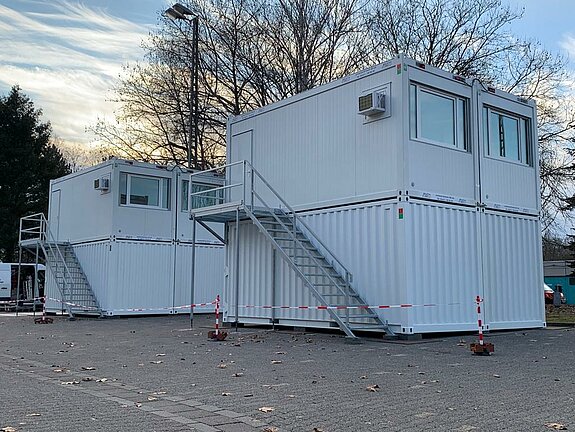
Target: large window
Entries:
(209, 197)
(437, 117)
(506, 136)
(145, 191)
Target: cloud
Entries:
(66, 56)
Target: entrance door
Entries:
(54, 214)
(241, 148)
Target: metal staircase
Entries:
(76, 294)
(249, 196)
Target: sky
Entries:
(66, 55)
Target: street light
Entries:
(181, 12)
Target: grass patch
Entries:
(564, 314)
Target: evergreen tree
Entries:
(28, 160)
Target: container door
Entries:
(508, 224)
(54, 213)
(241, 148)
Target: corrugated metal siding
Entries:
(431, 256)
(95, 261)
(255, 274)
(209, 279)
(442, 266)
(512, 271)
(363, 238)
(143, 274)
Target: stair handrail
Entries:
(348, 274)
(45, 236)
(252, 190)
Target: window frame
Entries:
(524, 136)
(161, 181)
(219, 198)
(185, 195)
(456, 99)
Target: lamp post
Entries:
(180, 12)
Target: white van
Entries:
(5, 281)
(28, 290)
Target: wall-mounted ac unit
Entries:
(102, 184)
(372, 103)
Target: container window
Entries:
(206, 195)
(145, 191)
(185, 194)
(437, 117)
(506, 136)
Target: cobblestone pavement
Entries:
(155, 374)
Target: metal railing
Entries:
(36, 228)
(248, 187)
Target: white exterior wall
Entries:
(315, 150)
(432, 256)
(134, 257)
(470, 222)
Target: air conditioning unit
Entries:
(102, 184)
(372, 103)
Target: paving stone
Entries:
(216, 420)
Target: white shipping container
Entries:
(430, 200)
(128, 224)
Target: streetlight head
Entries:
(178, 7)
(174, 14)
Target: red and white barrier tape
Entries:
(195, 305)
(343, 307)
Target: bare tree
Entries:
(255, 52)
(471, 38)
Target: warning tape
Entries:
(248, 306)
(194, 305)
(344, 307)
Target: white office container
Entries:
(431, 199)
(128, 223)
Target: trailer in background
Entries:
(120, 231)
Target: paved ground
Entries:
(153, 374)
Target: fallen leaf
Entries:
(70, 382)
(276, 361)
(270, 429)
(222, 366)
(33, 415)
(238, 374)
(280, 353)
(226, 394)
(138, 404)
(291, 396)
(59, 370)
(266, 409)
(152, 398)
(496, 376)
(248, 395)
(555, 426)
(88, 368)
(372, 388)
(159, 393)
(315, 429)
(8, 429)
(157, 362)
(160, 355)
(102, 380)
(363, 377)
(87, 379)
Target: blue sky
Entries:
(67, 54)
